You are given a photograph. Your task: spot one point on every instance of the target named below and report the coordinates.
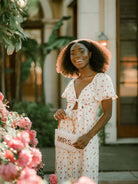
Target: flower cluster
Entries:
(19, 157)
(82, 180)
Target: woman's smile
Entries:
(79, 61)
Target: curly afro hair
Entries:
(99, 61)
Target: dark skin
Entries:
(79, 56)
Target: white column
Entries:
(50, 74)
(110, 31)
(67, 29)
(88, 19)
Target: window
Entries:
(127, 38)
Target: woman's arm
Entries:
(82, 142)
(104, 118)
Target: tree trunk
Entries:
(18, 76)
(35, 85)
(3, 73)
(43, 97)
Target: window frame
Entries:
(123, 131)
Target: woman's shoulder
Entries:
(102, 78)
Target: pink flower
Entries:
(8, 154)
(32, 134)
(36, 158)
(14, 124)
(27, 172)
(16, 144)
(24, 158)
(25, 123)
(23, 137)
(1, 96)
(7, 138)
(0, 136)
(19, 142)
(34, 142)
(3, 119)
(5, 112)
(53, 179)
(85, 180)
(2, 106)
(8, 172)
(29, 176)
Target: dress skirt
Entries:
(81, 163)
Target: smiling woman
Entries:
(86, 61)
(100, 58)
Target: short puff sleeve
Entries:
(104, 88)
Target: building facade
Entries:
(118, 20)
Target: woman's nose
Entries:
(77, 55)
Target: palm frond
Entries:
(56, 27)
(59, 42)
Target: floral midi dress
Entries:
(83, 162)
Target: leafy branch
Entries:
(11, 17)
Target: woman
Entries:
(86, 61)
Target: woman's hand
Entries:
(82, 142)
(60, 114)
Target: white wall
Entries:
(110, 31)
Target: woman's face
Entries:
(79, 55)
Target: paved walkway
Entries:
(118, 163)
(119, 158)
(122, 177)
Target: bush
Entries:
(42, 121)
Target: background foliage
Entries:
(42, 121)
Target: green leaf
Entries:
(10, 49)
(16, 156)
(7, 39)
(18, 45)
(59, 42)
(6, 3)
(3, 29)
(56, 27)
(1, 38)
(19, 19)
(31, 49)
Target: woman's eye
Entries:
(82, 51)
(72, 54)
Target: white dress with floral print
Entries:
(86, 161)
